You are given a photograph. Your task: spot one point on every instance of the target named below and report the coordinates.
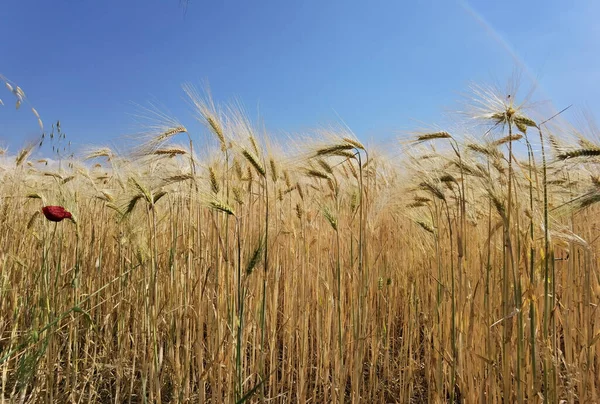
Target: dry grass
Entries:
(340, 277)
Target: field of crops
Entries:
(223, 267)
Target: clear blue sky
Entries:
(381, 66)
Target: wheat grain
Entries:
(253, 160)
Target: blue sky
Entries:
(382, 67)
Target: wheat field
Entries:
(222, 267)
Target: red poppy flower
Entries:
(56, 213)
